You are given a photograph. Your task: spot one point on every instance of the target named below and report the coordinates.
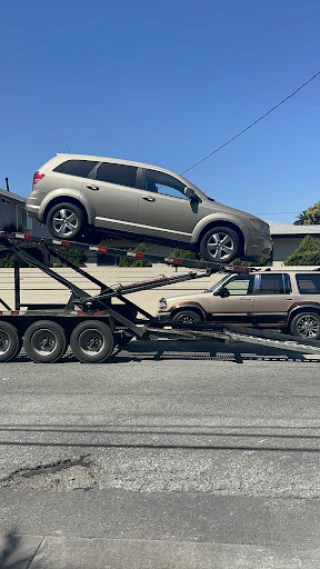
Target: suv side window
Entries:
(80, 168)
(274, 284)
(240, 286)
(117, 174)
(308, 284)
(162, 183)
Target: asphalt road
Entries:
(209, 454)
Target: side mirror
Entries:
(222, 292)
(189, 193)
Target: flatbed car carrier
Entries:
(93, 325)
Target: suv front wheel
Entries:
(220, 245)
(66, 221)
(187, 316)
(306, 325)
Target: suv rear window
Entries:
(80, 168)
(308, 284)
(117, 174)
(274, 284)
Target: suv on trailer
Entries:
(287, 300)
(74, 193)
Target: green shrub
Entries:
(76, 256)
(127, 262)
(308, 253)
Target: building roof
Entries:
(12, 196)
(286, 229)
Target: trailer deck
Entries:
(94, 325)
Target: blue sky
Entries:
(166, 83)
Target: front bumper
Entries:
(256, 244)
(163, 314)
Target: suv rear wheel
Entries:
(306, 325)
(66, 221)
(220, 245)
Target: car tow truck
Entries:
(93, 326)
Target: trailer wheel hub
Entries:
(44, 341)
(91, 341)
(4, 342)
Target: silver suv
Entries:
(286, 300)
(73, 194)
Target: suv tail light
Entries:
(37, 176)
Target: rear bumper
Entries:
(32, 209)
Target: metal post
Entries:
(17, 282)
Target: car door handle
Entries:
(148, 199)
(93, 187)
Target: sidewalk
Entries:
(112, 529)
(47, 552)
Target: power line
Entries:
(275, 212)
(252, 124)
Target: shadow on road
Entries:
(160, 350)
(236, 352)
(221, 438)
(11, 543)
(12, 553)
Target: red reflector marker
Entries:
(65, 243)
(139, 255)
(15, 312)
(102, 250)
(240, 269)
(177, 261)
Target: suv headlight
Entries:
(261, 226)
(163, 305)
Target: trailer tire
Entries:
(41, 335)
(10, 342)
(92, 341)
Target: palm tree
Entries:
(310, 216)
(301, 219)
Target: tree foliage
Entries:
(261, 263)
(184, 254)
(6, 260)
(308, 253)
(127, 262)
(77, 257)
(310, 216)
